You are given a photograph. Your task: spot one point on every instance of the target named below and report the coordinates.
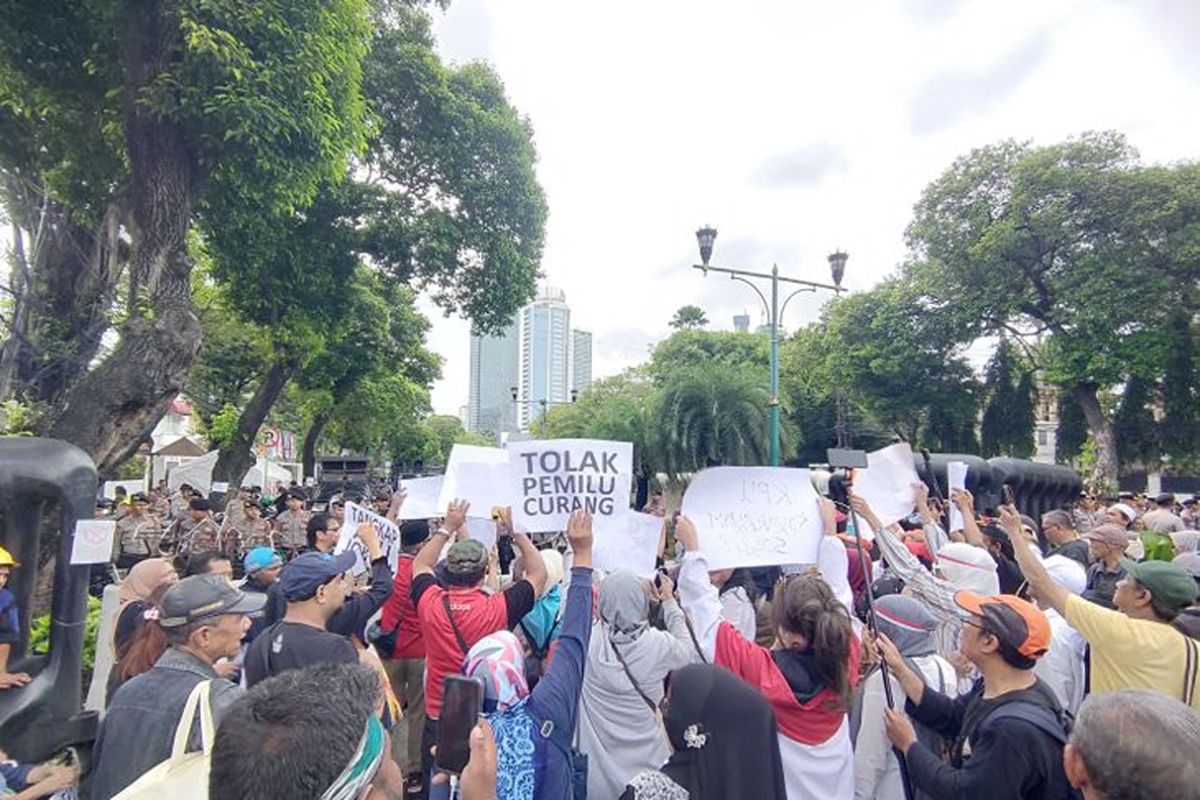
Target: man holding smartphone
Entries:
(455, 617)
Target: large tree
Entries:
(689, 318)
(123, 125)
(1074, 247)
(1006, 428)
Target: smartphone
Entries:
(462, 702)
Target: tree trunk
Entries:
(309, 457)
(111, 409)
(237, 455)
(1104, 471)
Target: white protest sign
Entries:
(550, 478)
(956, 478)
(93, 541)
(482, 531)
(478, 475)
(421, 497)
(629, 543)
(887, 482)
(389, 537)
(219, 486)
(755, 516)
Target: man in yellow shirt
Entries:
(1135, 646)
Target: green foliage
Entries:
(17, 419)
(39, 636)
(710, 415)
(689, 318)
(223, 426)
(1006, 428)
(1134, 425)
(1180, 434)
(617, 408)
(1072, 431)
(693, 348)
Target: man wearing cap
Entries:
(404, 662)
(1106, 545)
(456, 617)
(291, 525)
(1008, 730)
(1134, 646)
(138, 533)
(235, 507)
(249, 532)
(203, 619)
(197, 532)
(261, 566)
(1063, 538)
(315, 586)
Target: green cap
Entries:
(1169, 583)
(466, 557)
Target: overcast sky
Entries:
(794, 128)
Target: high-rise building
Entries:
(741, 323)
(581, 360)
(545, 326)
(495, 369)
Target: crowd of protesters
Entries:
(1008, 658)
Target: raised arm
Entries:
(937, 594)
(966, 506)
(1036, 576)
(696, 592)
(427, 558)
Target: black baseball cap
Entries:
(202, 596)
(310, 571)
(199, 504)
(413, 531)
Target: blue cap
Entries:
(261, 558)
(308, 572)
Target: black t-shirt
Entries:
(1009, 573)
(1076, 550)
(292, 645)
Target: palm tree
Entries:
(689, 318)
(710, 415)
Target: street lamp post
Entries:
(705, 237)
(543, 402)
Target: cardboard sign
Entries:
(478, 475)
(93, 541)
(629, 543)
(389, 537)
(956, 478)
(421, 498)
(887, 483)
(755, 516)
(550, 478)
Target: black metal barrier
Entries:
(1037, 488)
(39, 719)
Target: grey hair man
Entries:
(1134, 744)
(1063, 538)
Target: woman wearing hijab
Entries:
(808, 677)
(530, 726)
(724, 744)
(539, 628)
(623, 684)
(146, 582)
(910, 626)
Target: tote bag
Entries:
(183, 776)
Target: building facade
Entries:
(581, 360)
(495, 370)
(545, 329)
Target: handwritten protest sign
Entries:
(550, 478)
(629, 542)
(956, 478)
(478, 475)
(421, 498)
(389, 537)
(887, 483)
(93, 541)
(755, 516)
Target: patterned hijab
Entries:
(498, 661)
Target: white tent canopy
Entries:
(198, 474)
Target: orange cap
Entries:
(1016, 622)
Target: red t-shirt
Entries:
(400, 607)
(476, 614)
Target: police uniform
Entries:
(291, 528)
(138, 537)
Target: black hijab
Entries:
(724, 737)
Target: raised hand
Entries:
(579, 531)
(456, 515)
(828, 515)
(685, 534)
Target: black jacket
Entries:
(995, 756)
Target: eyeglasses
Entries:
(981, 628)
